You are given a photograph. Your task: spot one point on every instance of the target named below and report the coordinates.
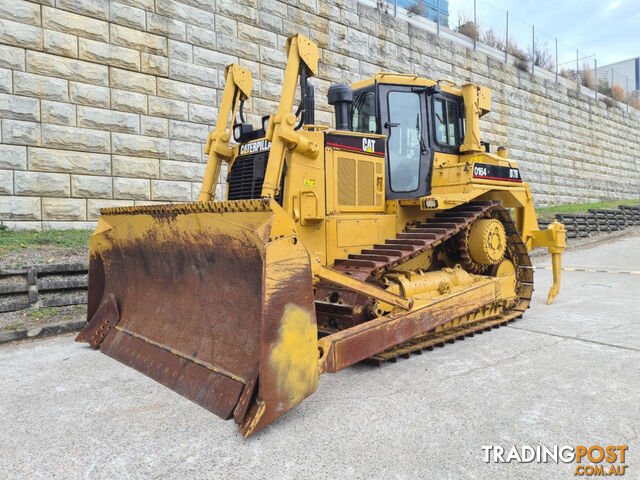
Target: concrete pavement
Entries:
(565, 374)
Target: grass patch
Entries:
(45, 312)
(549, 213)
(66, 313)
(41, 316)
(14, 326)
(13, 240)
(74, 311)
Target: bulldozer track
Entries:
(414, 241)
(431, 340)
(372, 263)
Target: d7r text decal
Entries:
(496, 172)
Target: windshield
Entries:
(364, 114)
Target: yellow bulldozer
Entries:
(387, 235)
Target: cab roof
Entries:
(407, 79)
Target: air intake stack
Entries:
(341, 97)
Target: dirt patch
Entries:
(42, 255)
(24, 319)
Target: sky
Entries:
(608, 29)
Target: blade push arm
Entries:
(238, 82)
(554, 238)
(301, 53)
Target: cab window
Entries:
(447, 122)
(364, 114)
(404, 140)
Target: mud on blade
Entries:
(213, 300)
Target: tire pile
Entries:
(597, 221)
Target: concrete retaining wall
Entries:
(43, 286)
(108, 103)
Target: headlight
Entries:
(237, 132)
(265, 122)
(430, 203)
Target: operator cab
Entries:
(419, 119)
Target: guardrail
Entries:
(53, 285)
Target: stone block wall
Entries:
(106, 102)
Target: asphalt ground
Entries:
(565, 374)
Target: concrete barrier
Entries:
(53, 285)
(598, 221)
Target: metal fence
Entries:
(434, 10)
(528, 45)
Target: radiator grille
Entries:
(356, 183)
(365, 183)
(247, 175)
(346, 181)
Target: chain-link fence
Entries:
(528, 45)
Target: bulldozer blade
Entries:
(102, 321)
(212, 299)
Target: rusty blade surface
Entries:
(189, 292)
(105, 318)
(209, 306)
(289, 353)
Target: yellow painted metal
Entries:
(288, 360)
(421, 262)
(293, 356)
(238, 84)
(553, 238)
(307, 51)
(556, 262)
(505, 267)
(487, 241)
(407, 79)
(453, 184)
(304, 198)
(454, 174)
(417, 283)
(338, 350)
(355, 215)
(332, 223)
(350, 233)
(393, 78)
(477, 102)
(365, 288)
(358, 180)
(333, 205)
(281, 133)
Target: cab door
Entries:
(403, 114)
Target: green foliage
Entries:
(13, 326)
(45, 312)
(12, 240)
